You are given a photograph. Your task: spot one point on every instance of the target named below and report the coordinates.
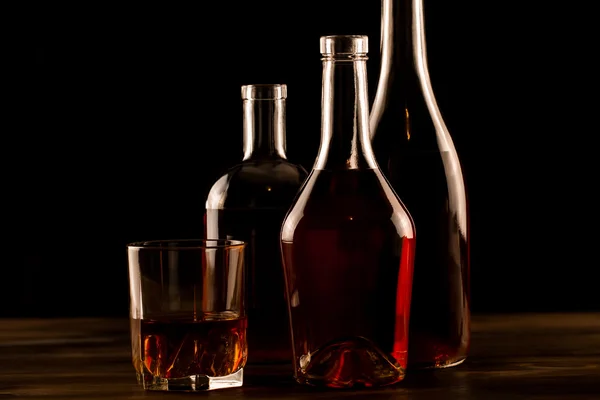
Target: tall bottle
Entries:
(249, 203)
(411, 141)
(347, 243)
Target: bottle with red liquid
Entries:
(347, 243)
(248, 202)
(418, 156)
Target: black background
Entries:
(119, 117)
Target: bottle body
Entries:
(347, 245)
(249, 203)
(412, 142)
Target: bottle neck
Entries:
(401, 23)
(404, 75)
(264, 128)
(345, 137)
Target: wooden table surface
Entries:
(528, 356)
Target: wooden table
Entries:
(529, 356)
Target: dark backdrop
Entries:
(119, 117)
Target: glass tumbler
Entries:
(188, 322)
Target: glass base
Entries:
(447, 363)
(193, 383)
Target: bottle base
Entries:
(320, 382)
(352, 362)
(436, 364)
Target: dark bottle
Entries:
(249, 203)
(414, 147)
(347, 244)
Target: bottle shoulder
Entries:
(257, 183)
(262, 172)
(330, 199)
(409, 119)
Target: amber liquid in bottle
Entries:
(249, 203)
(347, 244)
(416, 152)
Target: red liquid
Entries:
(180, 348)
(348, 270)
(440, 316)
(416, 152)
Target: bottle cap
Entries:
(344, 45)
(264, 91)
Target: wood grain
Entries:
(527, 356)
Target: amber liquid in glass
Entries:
(348, 271)
(180, 348)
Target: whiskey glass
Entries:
(188, 321)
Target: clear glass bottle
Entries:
(347, 243)
(248, 202)
(417, 154)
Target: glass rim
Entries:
(186, 244)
